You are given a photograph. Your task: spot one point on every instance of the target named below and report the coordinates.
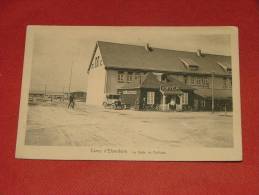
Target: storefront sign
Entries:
(126, 92)
(168, 88)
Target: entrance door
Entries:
(196, 104)
(172, 101)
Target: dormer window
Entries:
(189, 63)
(225, 66)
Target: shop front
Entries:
(175, 98)
(164, 96)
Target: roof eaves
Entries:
(167, 71)
(94, 51)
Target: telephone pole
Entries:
(70, 78)
(212, 92)
(45, 89)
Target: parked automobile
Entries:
(113, 101)
(110, 99)
(117, 105)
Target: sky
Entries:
(58, 50)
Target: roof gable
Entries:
(96, 59)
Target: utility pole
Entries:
(212, 92)
(45, 90)
(70, 78)
(71, 70)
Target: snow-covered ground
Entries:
(55, 125)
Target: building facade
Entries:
(146, 77)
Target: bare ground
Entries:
(56, 125)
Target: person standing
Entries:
(71, 103)
(173, 104)
(144, 103)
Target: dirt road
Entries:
(55, 125)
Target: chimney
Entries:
(199, 53)
(148, 47)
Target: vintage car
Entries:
(110, 99)
(113, 101)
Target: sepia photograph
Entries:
(130, 93)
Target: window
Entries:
(96, 62)
(189, 63)
(229, 70)
(120, 76)
(185, 79)
(192, 80)
(193, 67)
(150, 97)
(230, 83)
(185, 99)
(205, 82)
(225, 66)
(130, 76)
(198, 81)
(224, 83)
(137, 75)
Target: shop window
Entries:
(150, 97)
(120, 76)
(185, 99)
(130, 76)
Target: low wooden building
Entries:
(79, 95)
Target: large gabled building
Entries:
(152, 76)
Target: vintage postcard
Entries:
(130, 93)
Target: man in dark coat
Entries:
(71, 101)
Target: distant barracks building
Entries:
(164, 79)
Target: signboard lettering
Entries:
(129, 92)
(168, 88)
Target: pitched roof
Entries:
(171, 81)
(124, 56)
(149, 80)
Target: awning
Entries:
(218, 93)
